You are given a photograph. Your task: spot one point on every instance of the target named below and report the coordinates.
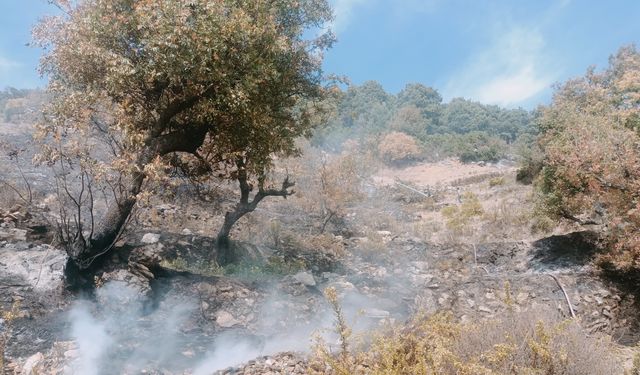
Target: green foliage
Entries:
(460, 128)
(591, 158)
(459, 216)
(245, 270)
(144, 90)
(481, 147)
(198, 267)
(274, 266)
(426, 99)
(530, 158)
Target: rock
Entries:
(141, 270)
(150, 238)
(41, 267)
(225, 319)
(522, 298)
(186, 232)
(121, 288)
(13, 234)
(484, 309)
(490, 295)
(421, 266)
(31, 364)
(419, 280)
(72, 353)
(305, 278)
(342, 287)
(329, 276)
(376, 313)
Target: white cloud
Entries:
(508, 72)
(343, 11)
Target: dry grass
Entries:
(529, 342)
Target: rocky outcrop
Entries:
(281, 364)
(32, 268)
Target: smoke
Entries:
(113, 332)
(118, 332)
(91, 338)
(228, 350)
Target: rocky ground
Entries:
(420, 277)
(161, 307)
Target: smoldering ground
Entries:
(120, 332)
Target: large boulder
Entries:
(39, 268)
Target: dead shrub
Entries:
(395, 148)
(496, 181)
(529, 342)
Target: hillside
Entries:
(390, 254)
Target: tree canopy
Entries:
(449, 129)
(591, 143)
(212, 81)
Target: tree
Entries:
(246, 205)
(410, 120)
(397, 148)
(426, 99)
(199, 83)
(591, 143)
(366, 108)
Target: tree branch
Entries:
(577, 220)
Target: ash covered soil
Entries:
(159, 305)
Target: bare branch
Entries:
(577, 220)
(566, 296)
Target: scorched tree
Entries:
(222, 84)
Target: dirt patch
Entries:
(439, 173)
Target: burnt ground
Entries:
(162, 306)
(266, 314)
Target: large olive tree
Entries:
(221, 84)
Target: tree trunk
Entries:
(225, 253)
(83, 252)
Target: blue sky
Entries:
(493, 51)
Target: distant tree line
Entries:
(463, 128)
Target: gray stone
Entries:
(32, 363)
(225, 319)
(150, 238)
(376, 313)
(305, 278)
(41, 267)
(13, 234)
